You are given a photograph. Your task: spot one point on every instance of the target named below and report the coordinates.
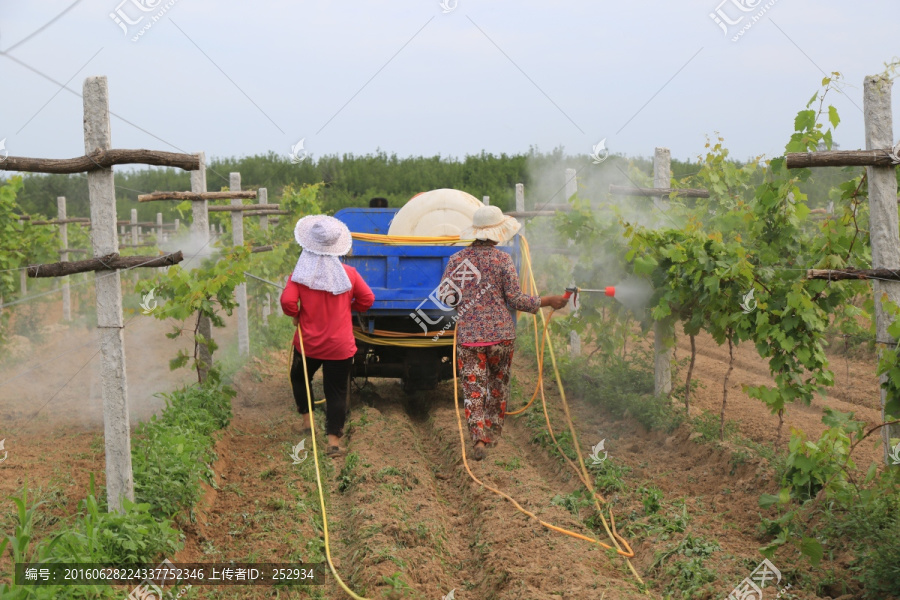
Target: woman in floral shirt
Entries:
(482, 283)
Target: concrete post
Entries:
(571, 184)
(200, 227)
(520, 197)
(134, 227)
(159, 231)
(662, 165)
(571, 190)
(201, 231)
(486, 200)
(102, 194)
(23, 276)
(240, 292)
(663, 331)
(883, 223)
(64, 256)
(262, 196)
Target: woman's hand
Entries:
(557, 302)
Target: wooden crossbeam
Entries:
(196, 196)
(243, 207)
(53, 221)
(100, 159)
(839, 274)
(624, 190)
(109, 262)
(263, 213)
(840, 158)
(256, 249)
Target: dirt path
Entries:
(406, 520)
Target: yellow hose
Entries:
(581, 472)
(312, 426)
(409, 240)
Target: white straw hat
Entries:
(321, 234)
(489, 223)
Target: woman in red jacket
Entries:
(319, 295)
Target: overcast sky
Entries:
(239, 78)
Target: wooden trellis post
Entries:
(880, 160)
(98, 160)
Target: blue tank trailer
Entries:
(405, 280)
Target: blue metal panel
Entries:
(401, 277)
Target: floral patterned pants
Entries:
(484, 372)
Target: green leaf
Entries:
(833, 117)
(812, 548)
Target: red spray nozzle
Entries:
(610, 291)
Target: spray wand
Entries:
(574, 291)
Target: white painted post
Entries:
(883, 222)
(520, 197)
(486, 200)
(571, 184)
(102, 194)
(240, 292)
(222, 228)
(23, 275)
(262, 195)
(134, 227)
(662, 164)
(663, 331)
(200, 227)
(201, 231)
(159, 231)
(177, 225)
(64, 256)
(571, 190)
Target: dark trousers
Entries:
(336, 375)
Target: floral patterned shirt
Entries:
(482, 284)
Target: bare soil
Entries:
(405, 519)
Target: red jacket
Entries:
(325, 318)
